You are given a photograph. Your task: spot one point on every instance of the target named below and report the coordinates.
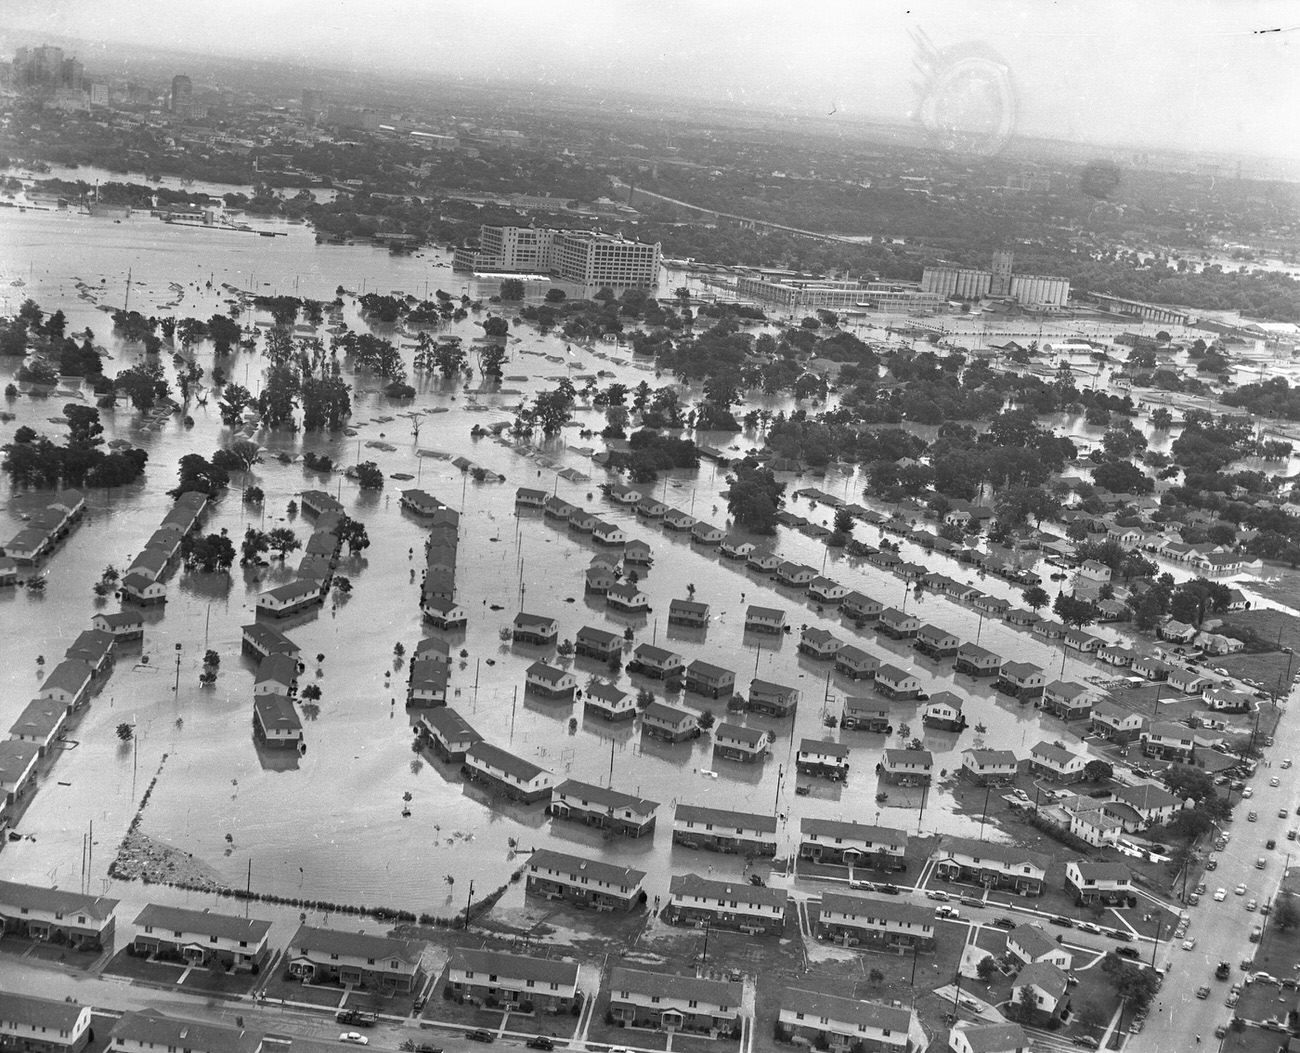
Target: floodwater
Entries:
(328, 825)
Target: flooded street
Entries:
(328, 825)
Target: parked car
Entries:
(1275, 781)
(1220, 894)
(1252, 906)
(1203, 992)
(1248, 792)
(1286, 763)
(1270, 843)
(1256, 934)
(1004, 923)
(1252, 816)
(1062, 920)
(1128, 952)
(1189, 945)
(480, 1034)
(355, 1037)
(1240, 890)
(540, 1042)
(1231, 1000)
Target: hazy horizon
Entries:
(1194, 75)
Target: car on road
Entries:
(1200, 889)
(1275, 781)
(1248, 792)
(480, 1034)
(1270, 844)
(1090, 926)
(942, 897)
(1003, 923)
(1203, 992)
(355, 1037)
(1128, 952)
(1240, 890)
(1231, 1000)
(540, 1042)
(1252, 906)
(1221, 1031)
(1286, 763)
(1256, 934)
(947, 912)
(1261, 863)
(1252, 816)
(1194, 899)
(425, 1047)
(1223, 971)
(1281, 813)
(1062, 920)
(1220, 894)
(1135, 1028)
(1189, 945)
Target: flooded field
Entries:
(329, 825)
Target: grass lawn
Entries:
(1278, 951)
(142, 970)
(1251, 1040)
(291, 989)
(216, 980)
(50, 952)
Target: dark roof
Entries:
(720, 817)
(496, 757)
(203, 922)
(674, 985)
(739, 891)
(609, 873)
(154, 1029)
(34, 897)
(43, 1013)
(848, 1010)
(605, 798)
(515, 966)
(359, 944)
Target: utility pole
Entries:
(780, 775)
(984, 814)
(468, 901)
(704, 957)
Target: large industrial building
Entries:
(1034, 291)
(590, 258)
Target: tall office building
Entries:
(182, 98)
(590, 258)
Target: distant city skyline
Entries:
(1195, 75)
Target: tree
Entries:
(1122, 477)
(1187, 782)
(449, 357)
(755, 498)
(843, 521)
(352, 533)
(1285, 914)
(253, 495)
(1035, 597)
(235, 398)
(552, 410)
(1026, 1004)
(986, 968)
(254, 544)
(369, 476)
(1097, 771)
(1131, 982)
(490, 360)
(198, 474)
(556, 296)
(209, 553)
(143, 384)
(511, 289)
(496, 326)
(282, 541)
(1074, 611)
(125, 732)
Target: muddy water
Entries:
(328, 825)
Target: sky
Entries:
(1216, 75)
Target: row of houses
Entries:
(315, 570)
(41, 532)
(438, 603)
(142, 582)
(580, 521)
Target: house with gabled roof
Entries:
(971, 861)
(944, 711)
(598, 644)
(289, 599)
(773, 700)
(736, 548)
(502, 979)
(864, 713)
(1031, 943)
(882, 924)
(588, 883)
(123, 625)
(764, 619)
(974, 660)
(1047, 986)
(1068, 700)
(449, 733)
(855, 663)
(897, 625)
(989, 766)
(262, 640)
(626, 597)
(605, 808)
(738, 743)
(751, 909)
(662, 721)
(818, 643)
(609, 702)
(1169, 741)
(41, 722)
(504, 772)
(537, 630)
(703, 678)
(426, 682)
(526, 497)
(1115, 723)
(201, 937)
(276, 722)
(827, 1021)
(860, 608)
(1094, 825)
(444, 614)
(718, 830)
(907, 767)
(145, 1030)
(658, 663)
(703, 533)
(671, 1002)
(68, 682)
(1150, 668)
(355, 959)
(896, 683)
(276, 674)
(1098, 882)
(56, 916)
(934, 642)
(1116, 654)
(1024, 680)
(824, 590)
(967, 1037)
(43, 1025)
(95, 648)
(851, 844)
(689, 613)
(1149, 805)
(1057, 762)
(818, 757)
